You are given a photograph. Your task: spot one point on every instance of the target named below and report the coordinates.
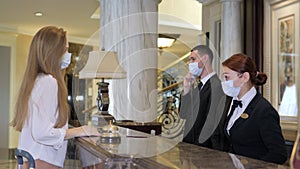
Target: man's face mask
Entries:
(194, 69)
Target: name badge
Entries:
(244, 115)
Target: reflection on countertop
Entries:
(149, 151)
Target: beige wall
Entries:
(180, 12)
(19, 52)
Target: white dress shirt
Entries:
(38, 135)
(246, 99)
(206, 78)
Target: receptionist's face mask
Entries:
(228, 85)
(229, 88)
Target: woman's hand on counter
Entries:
(89, 131)
(81, 131)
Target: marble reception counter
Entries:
(133, 149)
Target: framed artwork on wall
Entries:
(281, 61)
(282, 49)
(287, 96)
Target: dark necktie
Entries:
(200, 85)
(237, 103)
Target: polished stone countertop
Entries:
(142, 150)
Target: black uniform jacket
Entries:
(257, 133)
(203, 112)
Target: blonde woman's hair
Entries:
(45, 54)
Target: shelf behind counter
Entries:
(136, 149)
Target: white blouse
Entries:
(246, 99)
(38, 136)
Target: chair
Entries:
(22, 153)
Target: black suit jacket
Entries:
(203, 113)
(259, 135)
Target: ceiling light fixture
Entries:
(38, 14)
(166, 40)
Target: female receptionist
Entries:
(252, 124)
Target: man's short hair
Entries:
(202, 50)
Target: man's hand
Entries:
(188, 80)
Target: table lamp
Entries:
(102, 65)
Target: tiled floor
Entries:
(7, 164)
(72, 164)
(7, 160)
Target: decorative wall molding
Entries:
(231, 0)
(207, 2)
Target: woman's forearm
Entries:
(81, 131)
(73, 132)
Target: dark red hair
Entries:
(242, 63)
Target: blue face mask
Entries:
(66, 60)
(194, 69)
(229, 88)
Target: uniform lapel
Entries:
(249, 111)
(226, 110)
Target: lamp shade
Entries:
(102, 64)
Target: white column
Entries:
(231, 28)
(129, 27)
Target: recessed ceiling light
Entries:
(38, 14)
